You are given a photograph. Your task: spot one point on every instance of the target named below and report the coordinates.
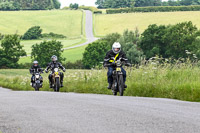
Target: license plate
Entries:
(118, 69)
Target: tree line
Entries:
(29, 4)
(143, 3)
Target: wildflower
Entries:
(153, 63)
(188, 52)
(154, 68)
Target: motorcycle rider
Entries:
(115, 53)
(52, 65)
(34, 69)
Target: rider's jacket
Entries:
(111, 56)
(34, 69)
(53, 65)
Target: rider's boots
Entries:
(50, 85)
(61, 84)
(109, 86)
(31, 84)
(125, 86)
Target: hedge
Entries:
(154, 9)
(97, 12)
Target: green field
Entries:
(66, 43)
(66, 22)
(110, 23)
(74, 54)
(71, 55)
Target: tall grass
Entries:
(180, 80)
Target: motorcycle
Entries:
(118, 80)
(37, 84)
(56, 80)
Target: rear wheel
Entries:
(121, 85)
(57, 85)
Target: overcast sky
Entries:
(80, 2)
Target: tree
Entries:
(152, 43)
(115, 3)
(29, 4)
(74, 6)
(130, 41)
(100, 3)
(33, 33)
(11, 51)
(94, 54)
(142, 3)
(169, 41)
(179, 38)
(42, 52)
(186, 2)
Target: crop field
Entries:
(111, 23)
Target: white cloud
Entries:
(80, 2)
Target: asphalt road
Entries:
(88, 30)
(49, 112)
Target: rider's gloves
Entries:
(63, 70)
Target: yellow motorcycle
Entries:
(56, 80)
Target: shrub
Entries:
(33, 33)
(97, 12)
(91, 8)
(74, 65)
(52, 35)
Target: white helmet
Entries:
(116, 45)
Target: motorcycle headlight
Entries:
(118, 63)
(37, 76)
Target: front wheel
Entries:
(121, 85)
(57, 85)
(114, 88)
(37, 87)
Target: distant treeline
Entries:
(29, 4)
(143, 3)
